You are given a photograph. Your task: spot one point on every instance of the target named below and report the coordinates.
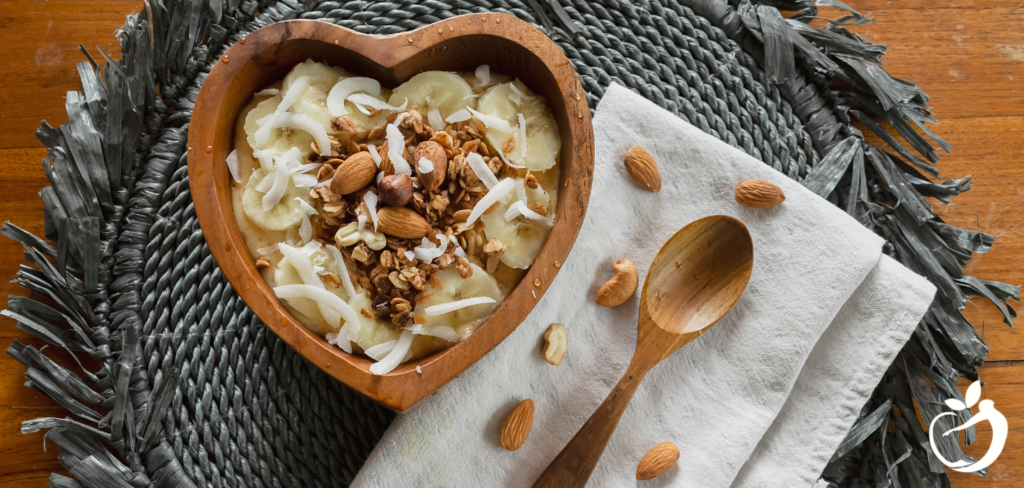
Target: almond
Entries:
(402, 222)
(354, 174)
(517, 426)
(658, 460)
(642, 169)
(758, 194)
(434, 153)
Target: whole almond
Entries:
(402, 222)
(658, 460)
(434, 153)
(643, 169)
(354, 174)
(758, 194)
(517, 426)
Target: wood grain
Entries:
(982, 116)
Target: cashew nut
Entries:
(622, 285)
(555, 343)
(350, 234)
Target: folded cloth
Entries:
(715, 398)
(882, 313)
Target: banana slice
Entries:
(286, 214)
(542, 138)
(523, 238)
(435, 90)
(280, 140)
(305, 310)
(313, 100)
(464, 320)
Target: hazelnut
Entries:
(433, 152)
(395, 190)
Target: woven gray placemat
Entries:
(195, 391)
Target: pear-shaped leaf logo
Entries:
(986, 412)
(956, 404)
(973, 394)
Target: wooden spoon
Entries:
(696, 278)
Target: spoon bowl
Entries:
(696, 278)
(683, 294)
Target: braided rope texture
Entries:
(250, 412)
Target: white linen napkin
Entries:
(718, 396)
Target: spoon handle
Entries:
(572, 467)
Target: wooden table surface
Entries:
(968, 55)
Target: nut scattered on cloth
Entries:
(657, 461)
(716, 398)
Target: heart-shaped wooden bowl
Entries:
(509, 45)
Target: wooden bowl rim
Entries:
(404, 386)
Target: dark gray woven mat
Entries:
(195, 391)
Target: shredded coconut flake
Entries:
(362, 222)
(268, 92)
(380, 351)
(483, 172)
(312, 247)
(428, 252)
(516, 95)
(519, 208)
(303, 168)
(342, 270)
(304, 181)
(304, 123)
(522, 135)
(492, 196)
(279, 184)
(305, 206)
(374, 154)
(521, 190)
(442, 331)
(232, 161)
(395, 357)
(396, 147)
(424, 165)
(363, 100)
(266, 159)
(492, 122)
(505, 159)
(371, 205)
(458, 249)
(435, 120)
(435, 310)
(322, 184)
(410, 255)
(343, 88)
(304, 268)
(459, 116)
(418, 370)
(270, 122)
(328, 300)
(483, 74)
